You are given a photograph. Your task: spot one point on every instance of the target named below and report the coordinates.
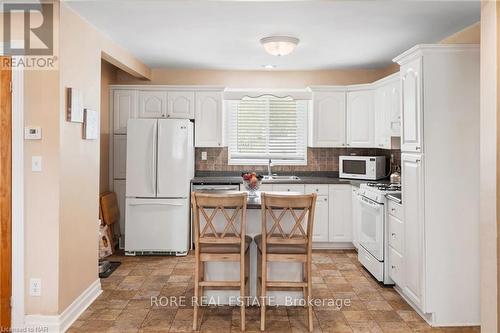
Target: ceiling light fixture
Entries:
(279, 45)
(269, 66)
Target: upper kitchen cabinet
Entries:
(208, 119)
(387, 111)
(360, 119)
(124, 108)
(411, 83)
(181, 104)
(152, 103)
(327, 119)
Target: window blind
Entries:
(267, 127)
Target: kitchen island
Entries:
(230, 270)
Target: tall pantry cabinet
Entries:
(440, 170)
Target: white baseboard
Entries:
(333, 246)
(61, 323)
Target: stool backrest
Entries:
(209, 227)
(287, 219)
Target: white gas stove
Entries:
(373, 231)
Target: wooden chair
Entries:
(220, 242)
(110, 214)
(281, 242)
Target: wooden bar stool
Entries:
(280, 242)
(224, 241)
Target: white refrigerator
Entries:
(160, 165)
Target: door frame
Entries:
(17, 314)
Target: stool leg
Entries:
(196, 293)
(242, 290)
(304, 279)
(263, 292)
(247, 275)
(309, 295)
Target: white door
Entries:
(157, 225)
(360, 119)
(371, 231)
(119, 189)
(181, 104)
(124, 108)
(141, 158)
(411, 83)
(328, 128)
(152, 104)
(413, 207)
(340, 226)
(355, 212)
(174, 162)
(394, 108)
(208, 119)
(119, 156)
(320, 226)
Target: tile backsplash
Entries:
(318, 160)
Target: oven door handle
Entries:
(369, 202)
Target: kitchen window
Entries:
(267, 127)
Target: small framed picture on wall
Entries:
(90, 125)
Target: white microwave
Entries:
(362, 167)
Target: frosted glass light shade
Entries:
(279, 45)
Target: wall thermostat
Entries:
(32, 133)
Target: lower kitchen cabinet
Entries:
(340, 226)
(413, 241)
(332, 216)
(320, 227)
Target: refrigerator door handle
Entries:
(158, 181)
(153, 160)
(155, 204)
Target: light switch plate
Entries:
(32, 133)
(36, 163)
(203, 155)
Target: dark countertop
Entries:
(303, 180)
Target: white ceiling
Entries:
(226, 34)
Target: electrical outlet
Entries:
(35, 287)
(203, 155)
(36, 163)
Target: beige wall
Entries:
(488, 166)
(469, 35)
(80, 67)
(61, 202)
(108, 76)
(257, 79)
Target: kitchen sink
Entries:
(274, 177)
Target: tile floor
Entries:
(125, 304)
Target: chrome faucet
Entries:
(269, 165)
